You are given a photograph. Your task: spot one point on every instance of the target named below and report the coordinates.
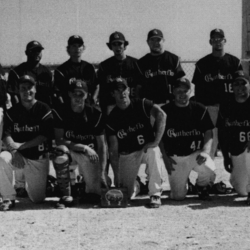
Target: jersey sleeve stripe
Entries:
(143, 101)
(204, 113)
(57, 114)
(98, 120)
(60, 72)
(15, 73)
(110, 127)
(9, 116)
(46, 115)
(178, 63)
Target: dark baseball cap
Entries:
(217, 32)
(26, 79)
(118, 83)
(240, 75)
(77, 84)
(34, 45)
(155, 33)
(117, 37)
(182, 82)
(75, 39)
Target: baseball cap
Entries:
(25, 79)
(33, 45)
(240, 75)
(117, 83)
(217, 32)
(75, 39)
(182, 82)
(155, 33)
(117, 36)
(77, 84)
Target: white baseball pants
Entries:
(130, 164)
(240, 176)
(179, 177)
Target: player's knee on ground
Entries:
(6, 156)
(178, 196)
(61, 164)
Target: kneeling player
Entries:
(187, 142)
(132, 140)
(79, 132)
(234, 119)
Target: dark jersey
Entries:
(131, 126)
(213, 78)
(185, 128)
(234, 119)
(3, 96)
(113, 68)
(24, 125)
(80, 127)
(160, 73)
(70, 70)
(42, 75)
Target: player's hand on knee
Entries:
(228, 164)
(17, 159)
(91, 154)
(201, 158)
(149, 145)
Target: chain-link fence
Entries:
(188, 67)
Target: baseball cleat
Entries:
(7, 205)
(65, 201)
(155, 201)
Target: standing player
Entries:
(234, 119)
(133, 142)
(33, 68)
(119, 65)
(74, 68)
(213, 79)
(27, 127)
(186, 143)
(79, 128)
(160, 69)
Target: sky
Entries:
(186, 25)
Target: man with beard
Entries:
(160, 69)
(213, 78)
(119, 65)
(34, 68)
(74, 68)
(234, 120)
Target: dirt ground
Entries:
(223, 223)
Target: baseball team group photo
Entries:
(130, 134)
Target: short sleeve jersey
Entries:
(69, 70)
(160, 73)
(213, 78)
(24, 125)
(80, 127)
(3, 97)
(131, 126)
(234, 118)
(113, 68)
(185, 128)
(42, 75)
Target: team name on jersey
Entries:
(172, 133)
(236, 123)
(210, 78)
(25, 128)
(159, 72)
(123, 133)
(70, 134)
